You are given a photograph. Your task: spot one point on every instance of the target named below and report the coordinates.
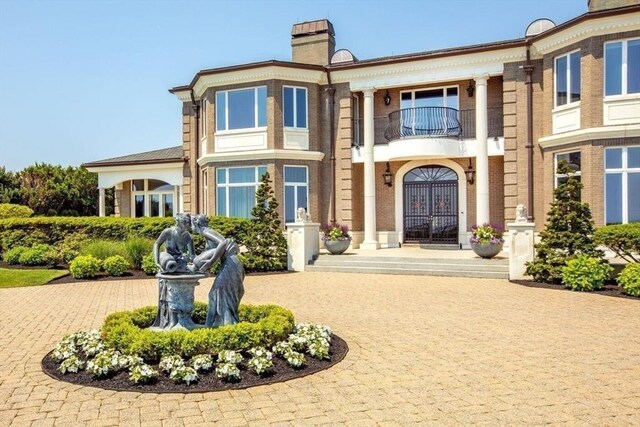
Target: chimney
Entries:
(596, 5)
(313, 42)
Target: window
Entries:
(574, 162)
(152, 197)
(443, 97)
(621, 185)
(567, 75)
(296, 191)
(294, 100)
(241, 109)
(622, 67)
(236, 190)
(205, 192)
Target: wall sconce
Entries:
(470, 173)
(387, 98)
(471, 89)
(387, 176)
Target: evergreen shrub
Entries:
(585, 273)
(85, 267)
(629, 279)
(623, 239)
(10, 210)
(115, 265)
(149, 265)
(12, 256)
(34, 255)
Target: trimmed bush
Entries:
(149, 265)
(85, 267)
(35, 255)
(136, 248)
(259, 326)
(629, 279)
(12, 256)
(115, 265)
(10, 210)
(103, 249)
(585, 273)
(623, 239)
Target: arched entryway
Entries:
(430, 205)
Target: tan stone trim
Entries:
(626, 131)
(261, 155)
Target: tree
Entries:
(265, 239)
(9, 187)
(568, 231)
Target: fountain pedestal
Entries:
(175, 301)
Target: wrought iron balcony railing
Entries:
(423, 121)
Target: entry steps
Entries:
(496, 268)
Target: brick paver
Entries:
(423, 350)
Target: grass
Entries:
(14, 278)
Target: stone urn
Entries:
(486, 250)
(336, 247)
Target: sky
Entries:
(87, 80)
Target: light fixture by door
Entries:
(387, 176)
(387, 98)
(471, 89)
(470, 173)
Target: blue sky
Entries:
(88, 80)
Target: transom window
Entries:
(152, 197)
(296, 191)
(441, 97)
(574, 160)
(294, 100)
(236, 190)
(622, 67)
(241, 109)
(621, 185)
(567, 72)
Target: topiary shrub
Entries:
(149, 265)
(623, 239)
(35, 255)
(136, 248)
(10, 210)
(12, 256)
(85, 267)
(259, 326)
(115, 265)
(629, 279)
(103, 249)
(585, 273)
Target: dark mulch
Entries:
(610, 289)
(280, 372)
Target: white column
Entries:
(370, 233)
(101, 209)
(482, 157)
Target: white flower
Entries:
(169, 363)
(71, 364)
(228, 372)
(142, 373)
(294, 358)
(184, 374)
(229, 356)
(202, 362)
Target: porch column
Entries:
(482, 156)
(370, 234)
(101, 210)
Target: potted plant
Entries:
(486, 240)
(336, 238)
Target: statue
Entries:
(302, 215)
(177, 240)
(521, 213)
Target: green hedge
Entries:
(623, 239)
(259, 326)
(10, 210)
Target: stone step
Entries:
(347, 258)
(410, 271)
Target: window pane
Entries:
(288, 106)
(137, 185)
(167, 201)
(261, 171)
(289, 204)
(561, 80)
(295, 174)
(613, 69)
(452, 97)
(154, 205)
(429, 98)
(633, 158)
(633, 186)
(262, 106)
(301, 108)
(220, 111)
(242, 175)
(572, 158)
(575, 76)
(241, 201)
(613, 191)
(139, 202)
(633, 66)
(241, 106)
(221, 202)
(405, 100)
(221, 176)
(302, 197)
(158, 185)
(613, 158)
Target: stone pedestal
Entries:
(175, 301)
(521, 240)
(303, 244)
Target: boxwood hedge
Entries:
(259, 326)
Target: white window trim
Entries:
(203, 119)
(295, 108)
(624, 170)
(569, 103)
(147, 199)
(444, 88)
(228, 185)
(623, 71)
(205, 192)
(227, 131)
(295, 185)
(555, 167)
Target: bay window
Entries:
(296, 191)
(567, 79)
(294, 101)
(236, 190)
(241, 109)
(621, 185)
(622, 67)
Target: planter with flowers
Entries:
(486, 240)
(336, 238)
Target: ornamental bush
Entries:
(623, 239)
(149, 265)
(259, 326)
(629, 279)
(103, 249)
(12, 256)
(10, 210)
(35, 255)
(115, 265)
(85, 267)
(585, 273)
(136, 248)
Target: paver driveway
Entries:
(436, 351)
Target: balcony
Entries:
(434, 122)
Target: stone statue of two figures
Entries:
(180, 269)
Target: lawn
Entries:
(14, 278)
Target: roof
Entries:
(164, 155)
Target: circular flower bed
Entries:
(265, 347)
